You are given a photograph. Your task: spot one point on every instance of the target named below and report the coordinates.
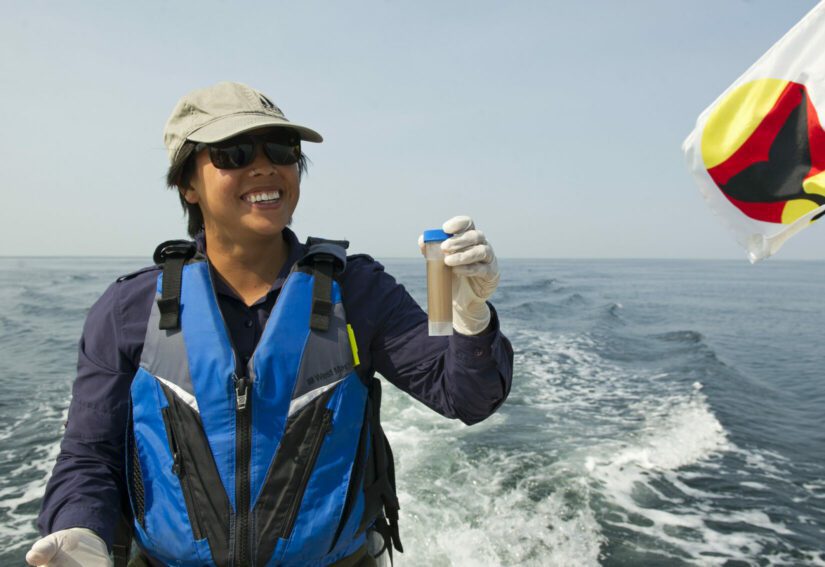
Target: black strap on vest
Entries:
(122, 545)
(321, 294)
(379, 485)
(172, 254)
(326, 259)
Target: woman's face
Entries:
(230, 198)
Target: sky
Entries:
(556, 125)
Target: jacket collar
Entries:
(297, 250)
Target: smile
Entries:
(268, 197)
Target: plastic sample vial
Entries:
(439, 285)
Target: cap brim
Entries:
(228, 126)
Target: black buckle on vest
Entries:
(174, 249)
(323, 266)
(172, 254)
(327, 258)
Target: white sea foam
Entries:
(17, 527)
(754, 485)
(765, 463)
(638, 435)
(815, 488)
(488, 508)
(482, 510)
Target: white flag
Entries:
(758, 152)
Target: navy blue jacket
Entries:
(459, 377)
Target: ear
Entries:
(190, 195)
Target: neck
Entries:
(250, 268)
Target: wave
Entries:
(642, 483)
(575, 299)
(470, 500)
(651, 448)
(533, 286)
(689, 337)
(612, 314)
(52, 311)
(27, 467)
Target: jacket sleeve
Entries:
(464, 377)
(87, 485)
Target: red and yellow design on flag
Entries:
(758, 152)
(764, 148)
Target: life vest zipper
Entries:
(315, 449)
(243, 449)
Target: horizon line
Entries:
(505, 258)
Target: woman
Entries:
(225, 400)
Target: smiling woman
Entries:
(224, 164)
(236, 378)
(284, 149)
(257, 197)
(246, 199)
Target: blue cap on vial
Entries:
(435, 235)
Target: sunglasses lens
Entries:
(282, 148)
(232, 156)
(280, 154)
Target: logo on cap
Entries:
(266, 102)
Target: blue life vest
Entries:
(279, 463)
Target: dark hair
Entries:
(179, 178)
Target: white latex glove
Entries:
(74, 547)
(475, 273)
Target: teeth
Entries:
(259, 197)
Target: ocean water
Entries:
(662, 413)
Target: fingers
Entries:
(476, 269)
(464, 240)
(466, 246)
(480, 253)
(457, 225)
(42, 551)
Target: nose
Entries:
(261, 164)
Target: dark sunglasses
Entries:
(282, 148)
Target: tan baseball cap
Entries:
(222, 111)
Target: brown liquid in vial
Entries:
(439, 291)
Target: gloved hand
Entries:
(74, 547)
(475, 273)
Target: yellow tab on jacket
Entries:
(353, 346)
